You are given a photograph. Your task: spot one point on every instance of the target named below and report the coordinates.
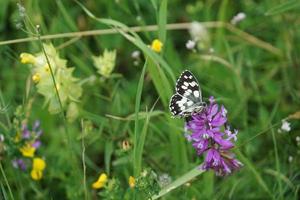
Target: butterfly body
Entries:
(188, 98)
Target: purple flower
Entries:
(208, 138)
(36, 144)
(19, 164)
(25, 132)
(222, 162)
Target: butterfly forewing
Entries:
(187, 100)
(187, 86)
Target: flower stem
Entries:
(69, 140)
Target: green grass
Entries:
(252, 68)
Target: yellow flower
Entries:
(131, 181)
(156, 45)
(27, 150)
(38, 164)
(27, 58)
(36, 78)
(100, 182)
(36, 174)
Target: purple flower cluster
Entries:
(19, 164)
(210, 136)
(33, 135)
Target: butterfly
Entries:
(188, 98)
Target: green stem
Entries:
(6, 182)
(69, 140)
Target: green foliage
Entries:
(119, 111)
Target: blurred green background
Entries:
(251, 67)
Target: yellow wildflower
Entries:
(27, 58)
(100, 182)
(36, 78)
(27, 150)
(38, 164)
(156, 45)
(131, 181)
(36, 174)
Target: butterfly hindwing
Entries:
(187, 86)
(180, 105)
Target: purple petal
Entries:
(223, 111)
(225, 144)
(26, 134)
(213, 110)
(218, 120)
(211, 99)
(37, 144)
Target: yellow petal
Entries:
(27, 150)
(156, 45)
(36, 174)
(100, 182)
(27, 58)
(36, 78)
(131, 181)
(38, 164)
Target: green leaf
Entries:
(283, 7)
(162, 21)
(136, 160)
(179, 181)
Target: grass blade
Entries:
(178, 182)
(256, 174)
(162, 21)
(136, 162)
(283, 7)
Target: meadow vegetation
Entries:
(85, 88)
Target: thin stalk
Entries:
(2, 104)
(258, 134)
(277, 164)
(69, 141)
(176, 26)
(83, 160)
(6, 182)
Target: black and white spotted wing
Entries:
(188, 98)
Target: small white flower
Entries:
(298, 138)
(136, 54)
(238, 18)
(164, 180)
(198, 32)
(1, 137)
(286, 126)
(290, 158)
(190, 44)
(22, 10)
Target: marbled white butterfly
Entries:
(188, 98)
